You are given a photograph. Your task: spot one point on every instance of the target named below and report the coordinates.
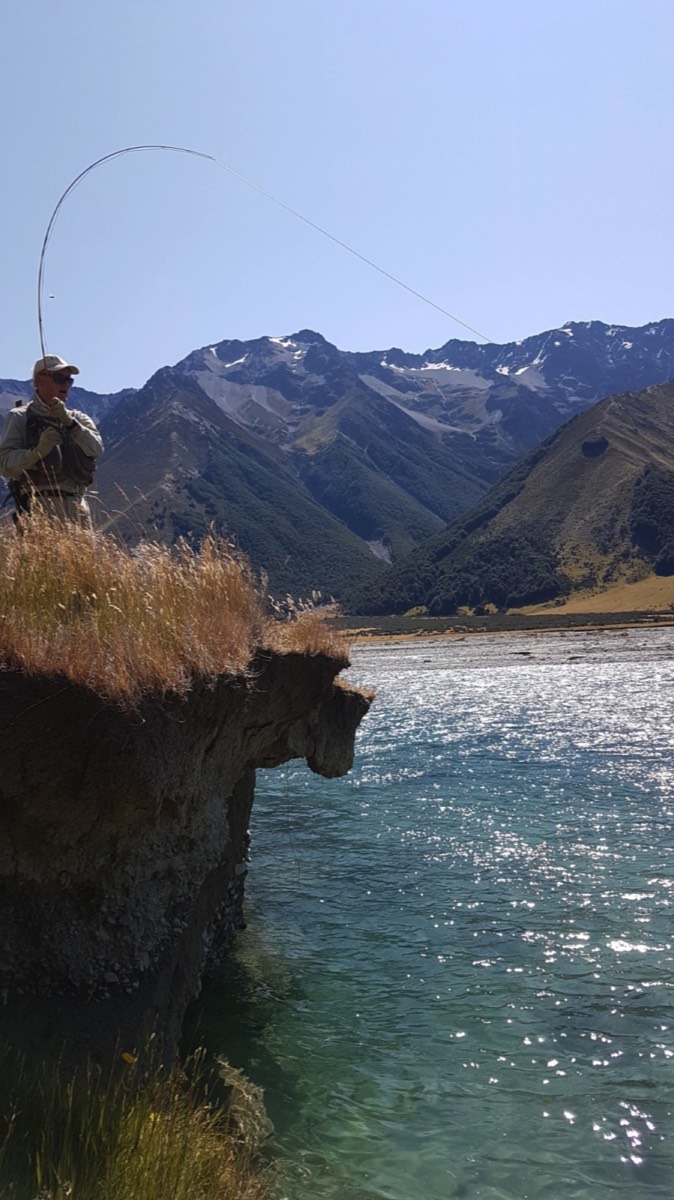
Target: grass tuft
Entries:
(147, 620)
(97, 1136)
(308, 631)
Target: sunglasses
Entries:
(61, 377)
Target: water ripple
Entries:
(458, 975)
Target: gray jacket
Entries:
(17, 458)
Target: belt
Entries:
(57, 493)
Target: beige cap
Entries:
(52, 362)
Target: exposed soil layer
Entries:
(123, 836)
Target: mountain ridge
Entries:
(591, 506)
(198, 469)
(378, 450)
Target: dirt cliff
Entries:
(123, 834)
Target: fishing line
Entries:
(249, 183)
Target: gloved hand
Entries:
(60, 413)
(49, 438)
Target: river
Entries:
(457, 976)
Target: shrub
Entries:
(652, 513)
(664, 563)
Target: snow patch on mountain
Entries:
(286, 351)
(531, 377)
(460, 376)
(236, 363)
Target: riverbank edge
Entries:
(373, 629)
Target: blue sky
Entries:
(510, 159)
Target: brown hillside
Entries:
(651, 594)
(590, 508)
(581, 489)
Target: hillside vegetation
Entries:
(591, 507)
(175, 466)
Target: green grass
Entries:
(129, 1133)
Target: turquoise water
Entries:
(457, 977)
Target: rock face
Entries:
(314, 456)
(123, 834)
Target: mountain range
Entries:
(590, 507)
(326, 465)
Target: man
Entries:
(48, 451)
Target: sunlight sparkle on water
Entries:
(491, 893)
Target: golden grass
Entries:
(129, 622)
(94, 1135)
(308, 632)
(654, 594)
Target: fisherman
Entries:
(48, 452)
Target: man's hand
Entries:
(60, 413)
(49, 438)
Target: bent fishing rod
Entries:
(249, 183)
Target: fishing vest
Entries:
(66, 461)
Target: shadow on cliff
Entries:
(123, 835)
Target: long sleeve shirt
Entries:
(16, 457)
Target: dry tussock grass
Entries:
(308, 632)
(129, 622)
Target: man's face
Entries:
(52, 386)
